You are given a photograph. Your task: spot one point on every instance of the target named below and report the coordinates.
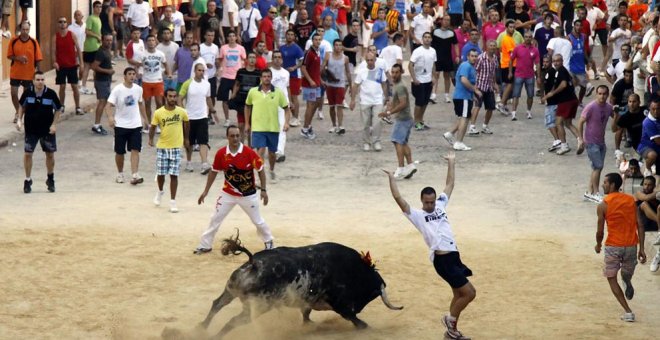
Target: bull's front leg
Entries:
(359, 324)
(305, 314)
(218, 303)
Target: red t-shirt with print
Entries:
(238, 170)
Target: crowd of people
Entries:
(259, 60)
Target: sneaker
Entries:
(421, 126)
(307, 133)
(529, 115)
(503, 109)
(319, 114)
(657, 240)
(196, 148)
(618, 155)
(590, 89)
(99, 130)
(79, 111)
(563, 149)
(205, 168)
(628, 317)
(137, 180)
(432, 99)
(387, 120)
(513, 117)
(200, 251)
(447, 99)
(84, 90)
(189, 167)
(145, 131)
(449, 137)
(473, 132)
(409, 170)
(294, 122)
(460, 337)
(226, 123)
(332, 129)
(159, 196)
(211, 121)
(280, 158)
(27, 186)
(451, 327)
(6, 34)
(173, 208)
(50, 183)
(628, 288)
(597, 198)
(120, 178)
(341, 130)
(377, 146)
(486, 130)
(273, 177)
(655, 263)
(460, 146)
(588, 197)
(398, 173)
(555, 146)
(366, 147)
(269, 245)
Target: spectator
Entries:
(249, 25)
(68, 57)
(266, 32)
(466, 79)
(339, 75)
(292, 56)
(196, 92)
(371, 85)
(103, 72)
(229, 18)
(25, 55)
(303, 28)
(212, 20)
(92, 43)
(169, 49)
(183, 61)
(280, 26)
(231, 57)
(139, 16)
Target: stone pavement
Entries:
(8, 132)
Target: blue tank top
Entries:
(577, 63)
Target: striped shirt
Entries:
(486, 68)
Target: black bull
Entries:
(324, 276)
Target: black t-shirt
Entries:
(185, 10)
(213, 22)
(350, 41)
(568, 93)
(632, 122)
(567, 11)
(105, 22)
(304, 32)
(247, 80)
(522, 16)
(510, 6)
(105, 58)
(496, 5)
(442, 42)
(620, 92)
(471, 10)
(39, 110)
(614, 24)
(549, 76)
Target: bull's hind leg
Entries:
(359, 324)
(218, 303)
(245, 317)
(305, 314)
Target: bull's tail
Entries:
(233, 245)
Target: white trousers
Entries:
(371, 123)
(225, 203)
(281, 143)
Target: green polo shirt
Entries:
(265, 105)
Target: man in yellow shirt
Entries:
(506, 42)
(174, 128)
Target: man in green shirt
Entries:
(92, 43)
(261, 118)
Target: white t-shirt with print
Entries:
(126, 101)
(371, 91)
(434, 227)
(423, 58)
(210, 54)
(196, 99)
(153, 64)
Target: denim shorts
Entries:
(550, 116)
(265, 140)
(596, 155)
(518, 84)
(401, 131)
(311, 94)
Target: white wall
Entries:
(82, 5)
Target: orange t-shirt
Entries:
(621, 218)
(635, 12)
(31, 50)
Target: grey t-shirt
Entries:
(399, 92)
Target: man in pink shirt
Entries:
(232, 57)
(492, 28)
(463, 36)
(526, 55)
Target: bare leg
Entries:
(85, 73)
(462, 297)
(14, 98)
(462, 127)
(569, 124)
(119, 161)
(561, 132)
(618, 293)
(333, 115)
(174, 182)
(50, 162)
(135, 161)
(309, 113)
(27, 164)
(399, 154)
(594, 179)
(62, 93)
(100, 106)
(419, 113)
(489, 115)
(203, 152)
(407, 154)
(160, 180)
(225, 110)
(76, 95)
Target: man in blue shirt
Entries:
(455, 11)
(473, 44)
(577, 65)
(380, 31)
(292, 56)
(466, 78)
(649, 146)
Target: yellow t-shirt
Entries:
(264, 114)
(171, 127)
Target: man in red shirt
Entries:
(68, 58)
(342, 18)
(311, 84)
(318, 9)
(266, 32)
(238, 162)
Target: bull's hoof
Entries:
(359, 324)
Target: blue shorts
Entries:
(401, 131)
(550, 116)
(311, 94)
(168, 162)
(596, 155)
(265, 140)
(518, 84)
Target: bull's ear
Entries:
(367, 259)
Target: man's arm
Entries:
(600, 227)
(262, 182)
(580, 126)
(186, 133)
(641, 254)
(405, 207)
(248, 114)
(449, 183)
(209, 182)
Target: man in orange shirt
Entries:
(507, 41)
(619, 211)
(25, 55)
(636, 12)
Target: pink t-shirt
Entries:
(462, 38)
(491, 32)
(232, 60)
(525, 58)
(596, 116)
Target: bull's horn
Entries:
(386, 301)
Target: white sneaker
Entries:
(460, 146)
(563, 149)
(173, 208)
(366, 147)
(529, 115)
(159, 196)
(618, 155)
(657, 240)
(628, 317)
(486, 130)
(433, 96)
(273, 177)
(555, 145)
(473, 131)
(227, 123)
(449, 137)
(377, 146)
(398, 173)
(409, 170)
(447, 99)
(206, 167)
(513, 116)
(6, 34)
(120, 178)
(189, 167)
(332, 129)
(319, 114)
(655, 263)
(294, 122)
